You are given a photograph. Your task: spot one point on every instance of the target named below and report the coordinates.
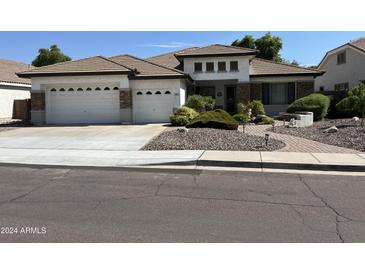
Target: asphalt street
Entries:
(39, 204)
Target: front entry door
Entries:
(230, 99)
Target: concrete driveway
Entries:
(108, 137)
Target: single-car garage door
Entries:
(83, 105)
(153, 106)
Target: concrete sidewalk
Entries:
(248, 159)
(285, 160)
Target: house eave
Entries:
(314, 74)
(73, 73)
(214, 55)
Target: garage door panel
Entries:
(153, 108)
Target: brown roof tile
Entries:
(169, 59)
(8, 70)
(145, 68)
(360, 43)
(261, 67)
(97, 64)
(217, 50)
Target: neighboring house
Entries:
(127, 89)
(12, 87)
(344, 67)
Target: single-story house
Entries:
(127, 89)
(344, 67)
(12, 87)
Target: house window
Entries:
(341, 87)
(205, 91)
(321, 88)
(221, 66)
(278, 93)
(341, 58)
(233, 66)
(209, 67)
(79, 89)
(139, 93)
(70, 89)
(53, 89)
(62, 89)
(167, 92)
(149, 93)
(106, 88)
(115, 88)
(158, 92)
(97, 88)
(198, 67)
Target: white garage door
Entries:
(85, 105)
(153, 106)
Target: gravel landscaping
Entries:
(349, 134)
(210, 139)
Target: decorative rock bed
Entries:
(349, 133)
(211, 139)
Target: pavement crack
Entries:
(161, 184)
(237, 200)
(27, 193)
(303, 221)
(315, 194)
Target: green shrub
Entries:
(256, 106)
(334, 100)
(267, 120)
(241, 117)
(200, 103)
(242, 108)
(182, 116)
(346, 107)
(214, 119)
(315, 102)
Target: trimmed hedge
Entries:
(218, 118)
(345, 108)
(315, 102)
(182, 116)
(241, 117)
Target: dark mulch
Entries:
(349, 134)
(211, 139)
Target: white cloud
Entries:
(169, 45)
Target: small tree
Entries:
(358, 93)
(50, 56)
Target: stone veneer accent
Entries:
(305, 88)
(38, 101)
(125, 98)
(256, 91)
(248, 92)
(243, 92)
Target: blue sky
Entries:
(306, 47)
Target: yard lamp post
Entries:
(267, 135)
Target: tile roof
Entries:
(169, 59)
(97, 64)
(8, 70)
(261, 67)
(359, 43)
(217, 50)
(144, 67)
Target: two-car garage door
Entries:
(83, 105)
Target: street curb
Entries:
(275, 165)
